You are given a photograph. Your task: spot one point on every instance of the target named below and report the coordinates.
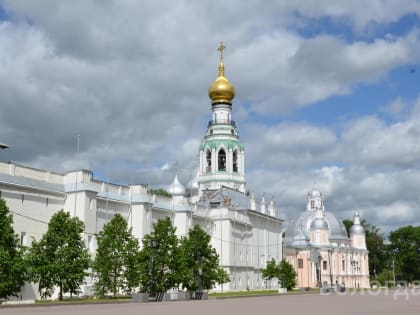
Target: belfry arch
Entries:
(235, 161)
(221, 159)
(208, 161)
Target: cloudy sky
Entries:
(326, 92)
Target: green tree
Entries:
(374, 244)
(12, 264)
(199, 261)
(385, 276)
(115, 266)
(160, 192)
(283, 271)
(348, 224)
(60, 258)
(160, 264)
(405, 247)
(287, 275)
(272, 270)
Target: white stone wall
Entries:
(244, 240)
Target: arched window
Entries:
(222, 160)
(235, 161)
(208, 160)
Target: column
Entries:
(202, 164)
(213, 160)
(229, 160)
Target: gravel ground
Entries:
(384, 303)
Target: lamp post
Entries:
(199, 271)
(200, 274)
(153, 244)
(330, 264)
(320, 270)
(3, 146)
(394, 251)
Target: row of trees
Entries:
(283, 272)
(400, 257)
(61, 260)
(164, 261)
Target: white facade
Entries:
(244, 239)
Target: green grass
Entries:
(85, 300)
(243, 293)
(258, 292)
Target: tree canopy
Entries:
(199, 261)
(116, 260)
(159, 258)
(405, 249)
(283, 271)
(60, 258)
(12, 263)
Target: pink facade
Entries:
(317, 245)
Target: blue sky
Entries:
(325, 91)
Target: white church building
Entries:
(246, 233)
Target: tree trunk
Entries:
(60, 295)
(114, 285)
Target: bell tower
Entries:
(221, 154)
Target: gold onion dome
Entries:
(221, 90)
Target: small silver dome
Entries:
(357, 229)
(193, 183)
(300, 239)
(319, 224)
(176, 188)
(315, 193)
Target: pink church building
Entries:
(317, 245)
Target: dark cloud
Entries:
(131, 79)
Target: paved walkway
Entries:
(361, 303)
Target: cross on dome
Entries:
(221, 48)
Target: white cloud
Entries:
(131, 78)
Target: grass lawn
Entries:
(257, 292)
(86, 300)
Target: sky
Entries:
(327, 95)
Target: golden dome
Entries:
(221, 89)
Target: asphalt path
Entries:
(361, 303)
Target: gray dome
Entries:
(357, 229)
(315, 193)
(319, 224)
(176, 188)
(336, 229)
(300, 239)
(193, 183)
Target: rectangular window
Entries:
(300, 263)
(343, 265)
(324, 265)
(23, 238)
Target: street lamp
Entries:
(3, 146)
(394, 251)
(199, 271)
(200, 274)
(153, 244)
(320, 270)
